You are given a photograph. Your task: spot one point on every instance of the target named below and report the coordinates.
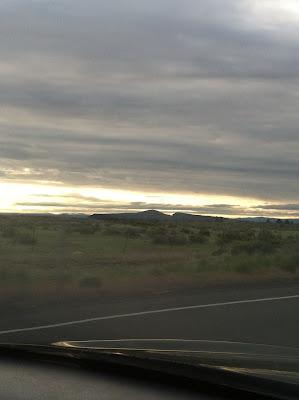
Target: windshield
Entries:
(149, 171)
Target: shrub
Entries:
(115, 230)
(290, 239)
(158, 271)
(290, 263)
(226, 237)
(218, 252)
(186, 230)
(159, 239)
(171, 239)
(178, 239)
(133, 231)
(205, 232)
(4, 274)
(91, 281)
(243, 266)
(86, 229)
(22, 276)
(9, 232)
(253, 247)
(160, 230)
(290, 267)
(247, 235)
(198, 237)
(203, 265)
(268, 236)
(65, 277)
(27, 239)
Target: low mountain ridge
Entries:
(154, 215)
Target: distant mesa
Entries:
(154, 215)
(149, 215)
(179, 216)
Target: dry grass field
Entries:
(53, 253)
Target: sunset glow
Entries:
(33, 198)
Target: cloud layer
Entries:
(184, 97)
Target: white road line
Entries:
(136, 314)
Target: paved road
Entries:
(260, 315)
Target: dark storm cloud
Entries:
(180, 96)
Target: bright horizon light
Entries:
(37, 198)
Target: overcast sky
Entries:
(162, 99)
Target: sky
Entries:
(125, 105)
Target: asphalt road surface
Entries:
(264, 314)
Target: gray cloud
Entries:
(89, 205)
(282, 207)
(150, 95)
(103, 206)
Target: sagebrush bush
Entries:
(256, 246)
(26, 238)
(9, 232)
(171, 239)
(115, 230)
(290, 262)
(198, 237)
(205, 232)
(133, 231)
(87, 229)
(243, 266)
(91, 281)
(227, 237)
(267, 236)
(219, 251)
(186, 230)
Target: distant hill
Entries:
(257, 219)
(179, 216)
(271, 220)
(154, 215)
(149, 215)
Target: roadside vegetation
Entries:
(46, 253)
